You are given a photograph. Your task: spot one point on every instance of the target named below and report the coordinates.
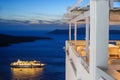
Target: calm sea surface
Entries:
(50, 52)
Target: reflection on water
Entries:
(26, 73)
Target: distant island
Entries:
(79, 31)
(6, 40)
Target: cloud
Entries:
(43, 14)
(28, 22)
(34, 21)
(19, 17)
(48, 17)
(13, 22)
(36, 17)
(32, 18)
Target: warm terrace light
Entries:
(114, 16)
(90, 62)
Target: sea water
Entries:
(49, 52)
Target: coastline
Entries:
(7, 40)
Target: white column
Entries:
(75, 32)
(111, 4)
(99, 32)
(70, 31)
(87, 37)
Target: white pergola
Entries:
(97, 15)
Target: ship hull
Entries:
(26, 66)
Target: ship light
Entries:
(42, 64)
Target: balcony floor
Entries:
(113, 51)
(113, 60)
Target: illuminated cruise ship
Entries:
(27, 64)
(97, 57)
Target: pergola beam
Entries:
(116, 0)
(75, 5)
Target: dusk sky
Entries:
(37, 14)
(34, 11)
(49, 10)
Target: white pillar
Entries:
(69, 31)
(99, 32)
(111, 4)
(75, 32)
(87, 37)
